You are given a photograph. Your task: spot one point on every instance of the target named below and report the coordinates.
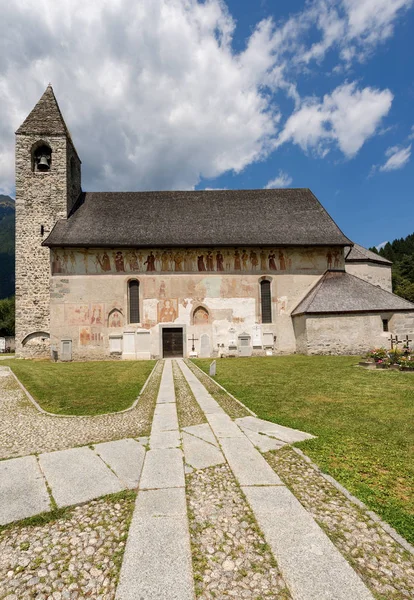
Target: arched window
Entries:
(266, 301)
(41, 158)
(133, 299)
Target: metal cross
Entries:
(395, 341)
(193, 339)
(407, 345)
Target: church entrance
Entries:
(172, 342)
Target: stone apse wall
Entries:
(373, 273)
(89, 297)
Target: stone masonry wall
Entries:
(371, 272)
(41, 199)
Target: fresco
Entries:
(167, 310)
(195, 260)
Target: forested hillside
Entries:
(7, 214)
(401, 253)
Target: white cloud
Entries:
(281, 181)
(152, 92)
(347, 117)
(156, 97)
(397, 158)
(411, 135)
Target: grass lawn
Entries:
(363, 420)
(82, 388)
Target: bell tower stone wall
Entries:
(42, 198)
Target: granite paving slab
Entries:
(247, 464)
(286, 434)
(125, 457)
(157, 562)
(163, 468)
(223, 426)
(78, 475)
(262, 441)
(203, 432)
(311, 565)
(23, 491)
(204, 399)
(200, 454)
(165, 439)
(165, 421)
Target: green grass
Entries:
(88, 388)
(363, 420)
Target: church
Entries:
(140, 275)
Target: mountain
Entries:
(401, 253)
(7, 214)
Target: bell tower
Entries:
(48, 183)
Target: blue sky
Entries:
(180, 94)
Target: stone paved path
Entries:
(72, 476)
(215, 468)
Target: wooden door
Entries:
(172, 341)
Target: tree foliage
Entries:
(7, 316)
(401, 253)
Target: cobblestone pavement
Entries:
(188, 410)
(77, 555)
(24, 430)
(382, 563)
(230, 556)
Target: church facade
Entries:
(207, 273)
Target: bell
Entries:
(43, 164)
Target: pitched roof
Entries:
(45, 118)
(285, 217)
(360, 254)
(341, 292)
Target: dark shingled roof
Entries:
(360, 254)
(285, 217)
(340, 292)
(45, 118)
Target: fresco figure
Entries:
(263, 266)
(85, 336)
(150, 262)
(244, 258)
(168, 312)
(157, 261)
(228, 260)
(178, 261)
(200, 263)
(282, 261)
(132, 259)
(96, 317)
(115, 319)
(336, 259)
(119, 261)
(210, 261)
(237, 262)
(164, 261)
(253, 259)
(104, 261)
(72, 258)
(329, 259)
(272, 262)
(219, 261)
(162, 289)
(188, 261)
(56, 264)
(200, 316)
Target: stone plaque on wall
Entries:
(204, 346)
(257, 336)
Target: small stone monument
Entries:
(213, 369)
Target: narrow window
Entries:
(266, 301)
(133, 289)
(385, 324)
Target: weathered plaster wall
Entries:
(371, 272)
(88, 309)
(349, 334)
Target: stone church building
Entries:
(207, 273)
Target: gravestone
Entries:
(245, 348)
(205, 346)
(115, 344)
(213, 369)
(66, 350)
(257, 336)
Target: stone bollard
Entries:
(213, 369)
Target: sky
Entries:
(185, 94)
